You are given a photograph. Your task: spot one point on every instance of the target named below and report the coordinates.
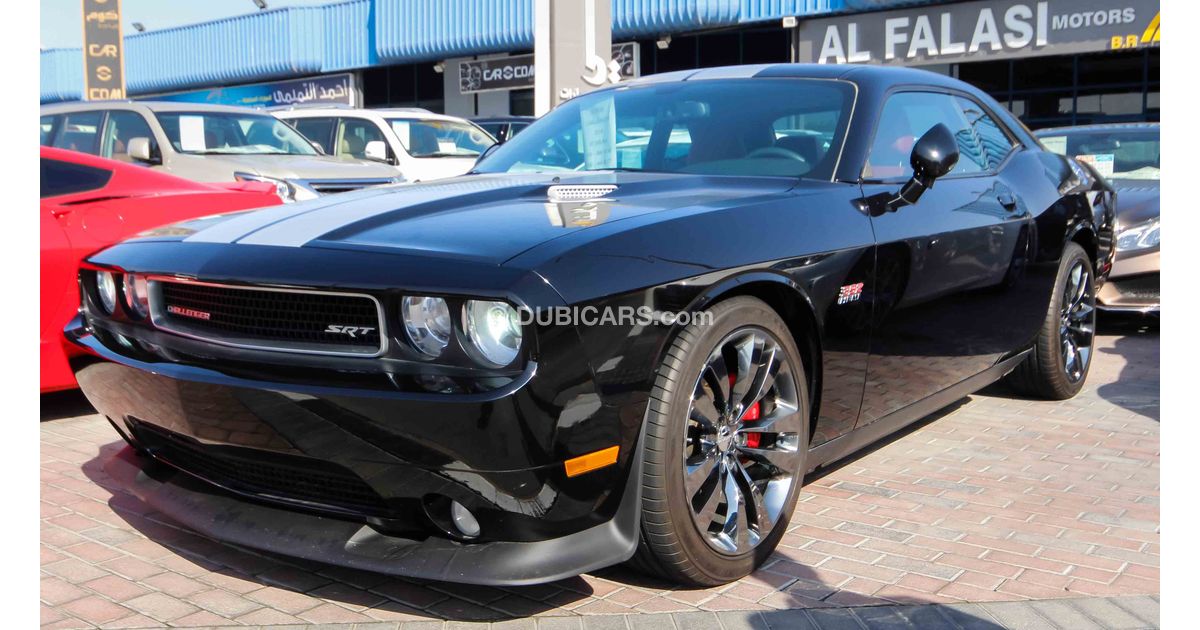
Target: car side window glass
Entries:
(906, 117)
(123, 126)
(318, 130)
(80, 131)
(996, 144)
(64, 178)
(47, 128)
(354, 136)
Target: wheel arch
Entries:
(795, 308)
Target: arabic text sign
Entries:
(103, 65)
(327, 90)
(517, 72)
(993, 29)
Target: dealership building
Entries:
(1052, 62)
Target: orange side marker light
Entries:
(586, 463)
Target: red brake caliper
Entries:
(751, 414)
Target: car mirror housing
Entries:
(140, 150)
(934, 155)
(376, 150)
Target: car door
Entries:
(318, 130)
(120, 127)
(353, 134)
(947, 266)
(79, 131)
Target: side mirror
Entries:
(139, 149)
(376, 150)
(934, 155)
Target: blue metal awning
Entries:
(298, 41)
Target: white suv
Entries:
(421, 144)
(207, 143)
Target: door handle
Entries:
(1008, 201)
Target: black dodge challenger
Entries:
(627, 335)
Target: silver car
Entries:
(208, 143)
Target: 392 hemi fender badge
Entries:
(850, 293)
(188, 312)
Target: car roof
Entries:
(154, 106)
(857, 73)
(406, 112)
(1134, 126)
(502, 119)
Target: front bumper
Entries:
(1133, 284)
(354, 477)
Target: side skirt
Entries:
(861, 437)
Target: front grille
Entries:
(269, 475)
(332, 186)
(1143, 286)
(269, 319)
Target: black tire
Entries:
(671, 545)
(1044, 373)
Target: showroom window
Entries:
(1072, 89)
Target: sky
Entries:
(62, 24)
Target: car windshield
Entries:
(440, 138)
(1115, 153)
(207, 133)
(774, 127)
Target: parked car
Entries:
(564, 361)
(503, 128)
(1128, 156)
(89, 203)
(421, 144)
(207, 143)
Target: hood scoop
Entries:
(583, 192)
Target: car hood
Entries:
(481, 218)
(1137, 200)
(304, 167)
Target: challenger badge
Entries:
(188, 312)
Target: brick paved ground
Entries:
(998, 499)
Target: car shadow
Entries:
(65, 404)
(797, 585)
(1137, 389)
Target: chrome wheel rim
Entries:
(1077, 324)
(738, 469)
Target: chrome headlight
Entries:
(427, 322)
(137, 295)
(106, 288)
(284, 190)
(494, 329)
(1141, 236)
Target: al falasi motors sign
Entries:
(103, 50)
(986, 29)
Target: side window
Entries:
(47, 129)
(905, 118)
(319, 130)
(996, 144)
(354, 135)
(516, 128)
(121, 127)
(79, 131)
(64, 178)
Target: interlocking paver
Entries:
(998, 499)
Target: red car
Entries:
(89, 203)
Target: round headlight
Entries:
(106, 287)
(494, 329)
(137, 297)
(427, 322)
